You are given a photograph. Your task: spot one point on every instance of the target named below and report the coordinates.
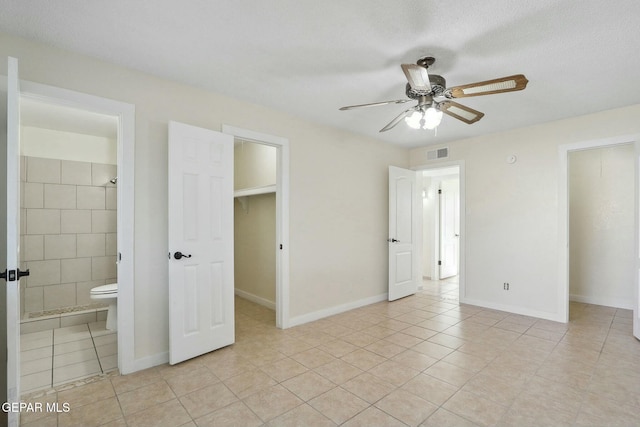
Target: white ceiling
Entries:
(309, 58)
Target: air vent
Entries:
(440, 153)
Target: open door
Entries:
(449, 227)
(636, 303)
(201, 299)
(403, 225)
(12, 273)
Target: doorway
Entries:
(119, 117)
(266, 195)
(601, 214)
(255, 193)
(441, 222)
(68, 241)
(565, 223)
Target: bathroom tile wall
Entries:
(68, 232)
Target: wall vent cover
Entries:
(440, 153)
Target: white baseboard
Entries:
(321, 314)
(254, 298)
(606, 301)
(150, 361)
(555, 317)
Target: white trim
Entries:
(282, 215)
(255, 298)
(462, 288)
(606, 301)
(12, 162)
(150, 361)
(126, 211)
(563, 215)
(331, 311)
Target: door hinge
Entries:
(439, 191)
(13, 275)
(439, 262)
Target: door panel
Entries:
(403, 217)
(201, 294)
(449, 228)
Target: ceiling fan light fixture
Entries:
(432, 118)
(414, 120)
(424, 119)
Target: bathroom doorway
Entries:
(68, 241)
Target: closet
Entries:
(255, 168)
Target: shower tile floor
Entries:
(58, 356)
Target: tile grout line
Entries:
(95, 349)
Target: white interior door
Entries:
(403, 227)
(201, 301)
(12, 273)
(636, 303)
(449, 228)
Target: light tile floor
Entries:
(59, 356)
(424, 360)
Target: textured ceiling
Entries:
(309, 58)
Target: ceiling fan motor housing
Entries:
(438, 86)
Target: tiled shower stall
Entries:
(68, 239)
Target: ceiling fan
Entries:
(434, 98)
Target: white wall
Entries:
(54, 144)
(339, 189)
(512, 220)
(254, 165)
(255, 249)
(601, 206)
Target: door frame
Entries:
(563, 219)
(282, 214)
(125, 214)
(462, 292)
(435, 242)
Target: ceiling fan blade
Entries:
(417, 76)
(375, 104)
(460, 112)
(398, 119)
(504, 84)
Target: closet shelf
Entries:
(254, 191)
(243, 195)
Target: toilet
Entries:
(108, 294)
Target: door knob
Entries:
(179, 255)
(392, 240)
(13, 275)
